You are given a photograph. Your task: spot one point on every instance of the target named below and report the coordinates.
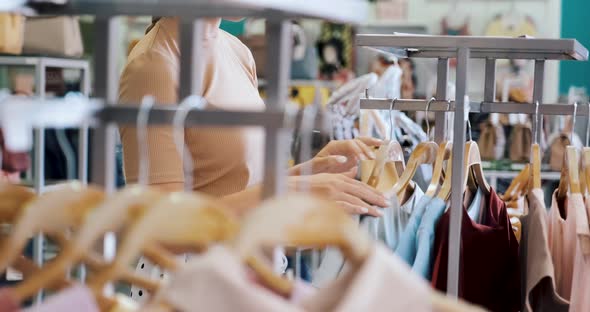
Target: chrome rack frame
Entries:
(464, 48)
(190, 12)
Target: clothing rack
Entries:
(278, 31)
(464, 48)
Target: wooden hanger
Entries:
(12, 199)
(445, 188)
(52, 212)
(586, 173)
(297, 221)
(424, 153)
(181, 220)
(119, 210)
(473, 162)
(536, 166)
(383, 172)
(304, 221)
(444, 153)
(570, 174)
(518, 185)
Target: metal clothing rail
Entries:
(464, 48)
(344, 11)
(476, 107)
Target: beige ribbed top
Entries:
(225, 160)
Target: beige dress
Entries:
(217, 281)
(562, 242)
(225, 161)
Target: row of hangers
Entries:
(389, 174)
(159, 225)
(575, 176)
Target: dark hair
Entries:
(155, 19)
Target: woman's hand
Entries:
(353, 196)
(354, 150)
(338, 156)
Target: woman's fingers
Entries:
(352, 209)
(360, 207)
(365, 192)
(366, 150)
(373, 142)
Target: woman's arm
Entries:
(151, 74)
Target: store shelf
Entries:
(345, 11)
(65, 63)
(480, 47)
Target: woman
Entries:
(227, 162)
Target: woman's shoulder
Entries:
(241, 50)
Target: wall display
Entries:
(335, 49)
(392, 10)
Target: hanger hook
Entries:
(391, 106)
(190, 103)
(537, 130)
(574, 123)
(469, 126)
(427, 119)
(147, 103)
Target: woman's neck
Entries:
(211, 25)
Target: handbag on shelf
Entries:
(12, 31)
(492, 141)
(521, 140)
(56, 36)
(557, 151)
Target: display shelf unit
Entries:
(464, 48)
(344, 11)
(40, 65)
(494, 175)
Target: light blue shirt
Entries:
(425, 238)
(387, 229)
(406, 249)
(424, 258)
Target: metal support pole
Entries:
(490, 82)
(191, 71)
(39, 168)
(104, 138)
(83, 133)
(440, 118)
(457, 175)
(191, 75)
(278, 36)
(538, 94)
(106, 84)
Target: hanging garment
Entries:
(8, 301)
(76, 298)
(217, 281)
(538, 289)
(563, 240)
(395, 219)
(388, 232)
(489, 269)
(417, 247)
(580, 300)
